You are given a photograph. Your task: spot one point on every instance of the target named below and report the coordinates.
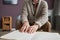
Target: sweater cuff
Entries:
(39, 24)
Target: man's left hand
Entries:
(32, 29)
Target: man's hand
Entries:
(32, 29)
(25, 27)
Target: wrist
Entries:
(36, 25)
(25, 22)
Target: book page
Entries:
(6, 39)
(18, 36)
(46, 36)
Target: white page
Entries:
(18, 36)
(34, 36)
(46, 36)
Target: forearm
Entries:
(24, 13)
(41, 21)
(44, 15)
(24, 19)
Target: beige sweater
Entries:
(41, 15)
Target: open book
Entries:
(16, 35)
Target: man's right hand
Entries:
(25, 27)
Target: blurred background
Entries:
(15, 11)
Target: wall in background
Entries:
(10, 10)
(15, 10)
(50, 4)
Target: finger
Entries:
(29, 30)
(23, 28)
(26, 29)
(33, 30)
